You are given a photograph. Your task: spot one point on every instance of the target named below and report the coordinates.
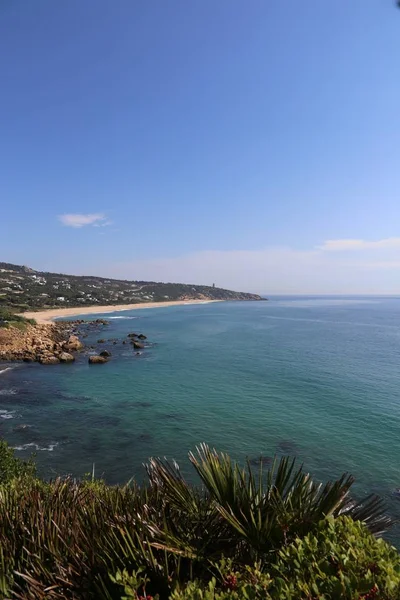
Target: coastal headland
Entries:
(33, 305)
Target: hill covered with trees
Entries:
(22, 288)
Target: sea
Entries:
(313, 377)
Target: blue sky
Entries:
(242, 143)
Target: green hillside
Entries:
(23, 288)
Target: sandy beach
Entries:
(46, 316)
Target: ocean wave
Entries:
(7, 414)
(190, 302)
(122, 317)
(8, 392)
(2, 371)
(34, 446)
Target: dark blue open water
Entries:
(315, 377)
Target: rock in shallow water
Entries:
(49, 360)
(66, 357)
(97, 360)
(22, 427)
(288, 447)
(73, 343)
(138, 345)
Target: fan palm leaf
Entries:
(269, 509)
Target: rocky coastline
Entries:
(48, 344)
(61, 342)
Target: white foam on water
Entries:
(6, 369)
(7, 414)
(200, 302)
(34, 446)
(9, 392)
(122, 318)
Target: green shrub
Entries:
(87, 540)
(251, 583)
(341, 560)
(21, 325)
(9, 317)
(12, 467)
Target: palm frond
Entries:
(272, 508)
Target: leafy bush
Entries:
(12, 467)
(68, 539)
(8, 317)
(340, 560)
(250, 583)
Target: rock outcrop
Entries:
(47, 344)
(73, 344)
(22, 427)
(66, 357)
(49, 360)
(58, 343)
(97, 360)
(138, 345)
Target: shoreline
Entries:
(48, 315)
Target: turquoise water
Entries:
(315, 377)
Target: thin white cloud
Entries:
(381, 265)
(275, 270)
(350, 244)
(79, 220)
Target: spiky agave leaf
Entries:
(167, 478)
(191, 526)
(270, 510)
(370, 511)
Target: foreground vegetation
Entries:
(244, 534)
